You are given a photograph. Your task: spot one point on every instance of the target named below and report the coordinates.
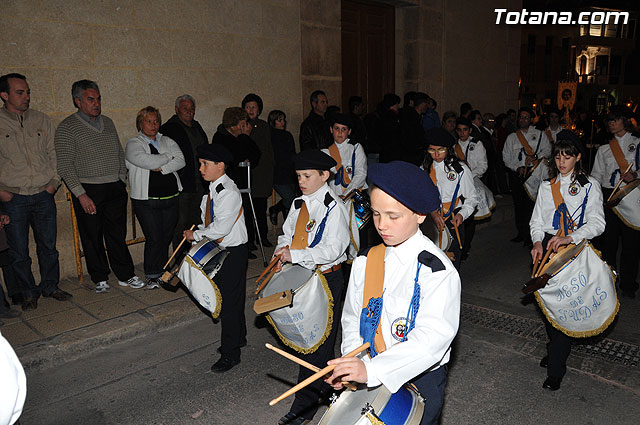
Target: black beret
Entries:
(619, 111)
(572, 138)
(313, 159)
(439, 137)
(406, 183)
(343, 119)
(464, 121)
(214, 152)
(527, 110)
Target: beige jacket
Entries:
(27, 153)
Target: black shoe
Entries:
(252, 246)
(517, 239)
(59, 294)
(273, 215)
(29, 304)
(17, 299)
(293, 419)
(552, 383)
(252, 256)
(223, 365)
(544, 362)
(10, 314)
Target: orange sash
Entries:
(374, 285)
(207, 216)
(300, 238)
(549, 135)
(459, 152)
(445, 205)
(525, 143)
(557, 200)
(618, 155)
(335, 154)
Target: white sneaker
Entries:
(153, 283)
(135, 282)
(102, 287)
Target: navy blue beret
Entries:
(313, 159)
(215, 153)
(406, 183)
(439, 137)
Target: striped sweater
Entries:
(87, 154)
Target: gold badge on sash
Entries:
(310, 225)
(472, 147)
(349, 169)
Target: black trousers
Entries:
(629, 257)
(232, 282)
(108, 227)
(305, 403)
(188, 214)
(158, 218)
(522, 204)
(455, 247)
(469, 231)
(431, 386)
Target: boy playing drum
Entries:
(404, 295)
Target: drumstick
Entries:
(544, 260)
(620, 181)
(175, 251)
(303, 363)
(271, 264)
(319, 374)
(270, 275)
(455, 226)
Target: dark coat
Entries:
(190, 178)
(242, 148)
(314, 133)
(262, 174)
(284, 149)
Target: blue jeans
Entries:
(39, 212)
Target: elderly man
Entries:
(91, 163)
(314, 130)
(28, 181)
(188, 134)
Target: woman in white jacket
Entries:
(152, 160)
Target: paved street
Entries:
(494, 377)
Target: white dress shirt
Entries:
(605, 164)
(554, 133)
(513, 153)
(447, 187)
(476, 156)
(593, 222)
(225, 223)
(427, 346)
(356, 167)
(331, 250)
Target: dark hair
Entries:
(448, 160)
(275, 115)
(354, 101)
(447, 115)
(435, 104)
(420, 98)
(408, 98)
(511, 111)
(79, 86)
(4, 81)
(315, 94)
(500, 118)
(252, 97)
(232, 116)
(474, 114)
(389, 100)
(465, 107)
(565, 147)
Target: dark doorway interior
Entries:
(368, 53)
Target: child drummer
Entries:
(413, 286)
(316, 234)
(570, 201)
(222, 216)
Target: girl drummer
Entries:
(454, 181)
(568, 209)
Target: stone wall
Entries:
(148, 53)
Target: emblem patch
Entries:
(310, 225)
(349, 170)
(472, 147)
(533, 137)
(632, 147)
(574, 189)
(452, 175)
(398, 328)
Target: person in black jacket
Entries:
(410, 146)
(314, 130)
(285, 181)
(188, 134)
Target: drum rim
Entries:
(378, 402)
(627, 189)
(578, 247)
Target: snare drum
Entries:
(626, 204)
(539, 173)
(304, 325)
(443, 240)
(580, 297)
(404, 407)
(486, 202)
(197, 270)
(361, 206)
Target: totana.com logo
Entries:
(526, 17)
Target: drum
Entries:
(580, 297)
(361, 206)
(442, 239)
(404, 407)
(539, 173)
(305, 324)
(486, 202)
(197, 270)
(627, 204)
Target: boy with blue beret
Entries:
(403, 296)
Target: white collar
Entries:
(405, 251)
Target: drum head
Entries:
(562, 257)
(442, 239)
(347, 410)
(626, 190)
(291, 277)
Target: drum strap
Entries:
(448, 206)
(525, 145)
(300, 238)
(562, 218)
(616, 150)
(549, 135)
(372, 300)
(208, 215)
(342, 177)
(459, 152)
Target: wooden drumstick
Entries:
(175, 251)
(271, 266)
(319, 374)
(303, 363)
(455, 226)
(620, 181)
(544, 260)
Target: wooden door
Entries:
(368, 54)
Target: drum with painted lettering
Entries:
(197, 270)
(627, 204)
(306, 323)
(580, 297)
(368, 405)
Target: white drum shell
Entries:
(539, 173)
(486, 201)
(629, 209)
